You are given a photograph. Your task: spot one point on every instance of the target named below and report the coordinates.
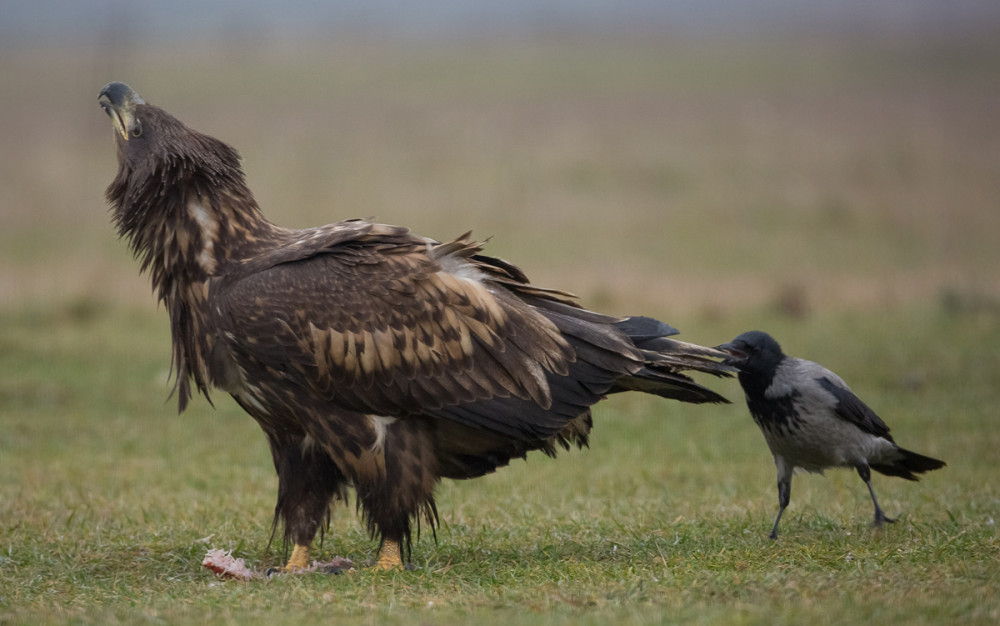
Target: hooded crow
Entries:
(812, 420)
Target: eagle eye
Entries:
(137, 129)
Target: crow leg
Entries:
(784, 491)
(866, 475)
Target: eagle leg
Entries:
(402, 493)
(389, 556)
(308, 481)
(299, 559)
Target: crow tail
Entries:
(908, 465)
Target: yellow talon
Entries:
(299, 559)
(389, 557)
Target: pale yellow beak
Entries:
(119, 101)
(116, 120)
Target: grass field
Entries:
(110, 500)
(842, 195)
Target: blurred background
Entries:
(826, 171)
(676, 158)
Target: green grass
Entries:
(109, 500)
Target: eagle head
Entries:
(148, 138)
(120, 102)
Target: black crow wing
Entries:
(852, 409)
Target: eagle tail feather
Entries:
(665, 358)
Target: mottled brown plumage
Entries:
(369, 356)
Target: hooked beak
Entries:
(119, 101)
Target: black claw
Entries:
(271, 572)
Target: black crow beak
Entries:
(735, 357)
(119, 101)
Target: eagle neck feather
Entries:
(188, 216)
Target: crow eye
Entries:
(137, 129)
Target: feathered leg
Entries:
(402, 492)
(784, 491)
(307, 481)
(866, 475)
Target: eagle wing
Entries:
(373, 319)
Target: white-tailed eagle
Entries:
(371, 357)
